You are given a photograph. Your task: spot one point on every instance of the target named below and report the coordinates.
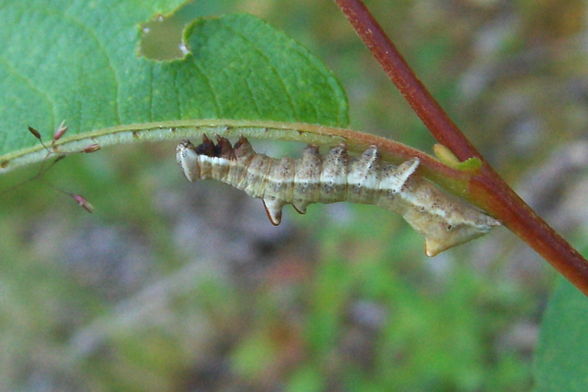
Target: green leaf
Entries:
(561, 362)
(448, 158)
(77, 61)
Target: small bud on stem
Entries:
(91, 148)
(82, 202)
(35, 133)
(60, 131)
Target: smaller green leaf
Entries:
(560, 362)
(447, 157)
(470, 164)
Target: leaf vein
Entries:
(30, 84)
(210, 87)
(260, 52)
(104, 52)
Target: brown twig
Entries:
(487, 187)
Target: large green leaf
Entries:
(77, 61)
(561, 362)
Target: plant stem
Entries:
(486, 188)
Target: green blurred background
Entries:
(171, 286)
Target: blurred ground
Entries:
(172, 286)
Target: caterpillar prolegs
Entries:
(442, 219)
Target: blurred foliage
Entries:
(172, 286)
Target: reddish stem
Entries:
(505, 204)
(487, 188)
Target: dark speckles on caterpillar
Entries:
(443, 219)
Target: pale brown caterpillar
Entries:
(442, 219)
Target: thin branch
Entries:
(452, 179)
(486, 188)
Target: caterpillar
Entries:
(444, 220)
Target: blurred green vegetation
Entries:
(171, 286)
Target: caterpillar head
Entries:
(188, 160)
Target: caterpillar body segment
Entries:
(444, 220)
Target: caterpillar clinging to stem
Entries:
(443, 219)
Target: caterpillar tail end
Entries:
(433, 248)
(437, 241)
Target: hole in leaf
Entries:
(161, 37)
